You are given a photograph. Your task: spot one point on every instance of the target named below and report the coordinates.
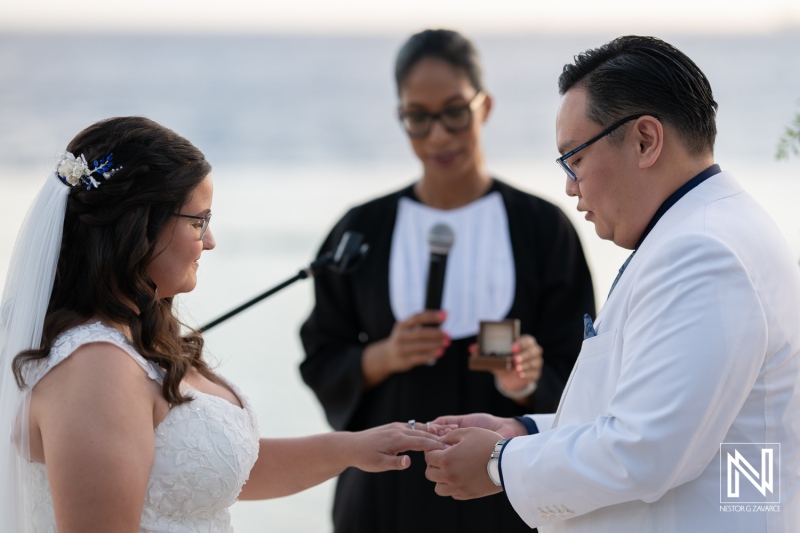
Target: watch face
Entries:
(494, 471)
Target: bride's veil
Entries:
(25, 298)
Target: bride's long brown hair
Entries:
(110, 236)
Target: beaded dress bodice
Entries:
(204, 451)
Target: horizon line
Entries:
(201, 31)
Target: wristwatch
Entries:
(493, 466)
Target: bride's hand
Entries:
(377, 449)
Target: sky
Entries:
(380, 16)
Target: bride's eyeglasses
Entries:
(455, 119)
(202, 226)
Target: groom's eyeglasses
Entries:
(562, 161)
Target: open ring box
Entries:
(495, 342)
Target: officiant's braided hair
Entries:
(634, 74)
(110, 236)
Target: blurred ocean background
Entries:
(300, 128)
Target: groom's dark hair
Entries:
(633, 74)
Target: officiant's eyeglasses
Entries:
(454, 119)
(202, 226)
(562, 161)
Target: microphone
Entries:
(348, 255)
(440, 240)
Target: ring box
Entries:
(495, 344)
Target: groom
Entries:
(691, 372)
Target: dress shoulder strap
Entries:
(72, 339)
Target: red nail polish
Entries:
(515, 348)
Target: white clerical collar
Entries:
(480, 276)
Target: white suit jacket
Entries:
(698, 345)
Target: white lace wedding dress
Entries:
(204, 451)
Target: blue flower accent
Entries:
(75, 170)
(104, 165)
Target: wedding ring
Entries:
(412, 424)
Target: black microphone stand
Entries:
(347, 257)
(303, 274)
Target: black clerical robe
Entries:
(553, 290)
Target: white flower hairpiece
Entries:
(75, 171)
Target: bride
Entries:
(116, 422)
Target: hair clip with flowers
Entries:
(75, 171)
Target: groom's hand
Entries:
(460, 470)
(506, 427)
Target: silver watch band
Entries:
(493, 466)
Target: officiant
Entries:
(370, 358)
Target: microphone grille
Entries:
(440, 239)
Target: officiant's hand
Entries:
(412, 343)
(527, 368)
(377, 449)
(460, 470)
